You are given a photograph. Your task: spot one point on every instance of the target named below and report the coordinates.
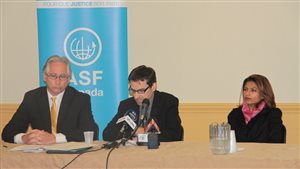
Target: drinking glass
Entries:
(219, 136)
(88, 136)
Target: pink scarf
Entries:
(249, 114)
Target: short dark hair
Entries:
(142, 73)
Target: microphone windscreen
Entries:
(146, 102)
(132, 114)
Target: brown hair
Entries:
(264, 87)
(143, 73)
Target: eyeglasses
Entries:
(140, 91)
(62, 77)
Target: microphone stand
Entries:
(124, 135)
(145, 108)
(115, 144)
(123, 141)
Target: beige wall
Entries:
(201, 50)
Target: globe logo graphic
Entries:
(82, 46)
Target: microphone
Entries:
(142, 138)
(152, 127)
(128, 118)
(152, 130)
(144, 109)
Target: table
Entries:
(169, 155)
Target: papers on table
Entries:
(70, 146)
(132, 142)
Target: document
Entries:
(69, 146)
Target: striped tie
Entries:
(53, 115)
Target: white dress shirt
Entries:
(59, 137)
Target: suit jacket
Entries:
(164, 111)
(265, 127)
(75, 115)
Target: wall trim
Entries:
(227, 107)
(190, 107)
(8, 107)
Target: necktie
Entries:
(53, 115)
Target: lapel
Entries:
(136, 108)
(43, 102)
(155, 105)
(254, 120)
(63, 110)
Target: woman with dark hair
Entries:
(257, 119)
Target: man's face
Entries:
(140, 90)
(57, 79)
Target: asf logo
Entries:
(82, 46)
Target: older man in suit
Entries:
(56, 112)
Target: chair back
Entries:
(182, 134)
(283, 134)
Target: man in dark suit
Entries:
(163, 108)
(56, 113)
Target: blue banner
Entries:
(93, 36)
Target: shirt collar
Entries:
(58, 97)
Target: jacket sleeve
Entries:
(234, 120)
(83, 122)
(19, 122)
(112, 130)
(276, 127)
(171, 130)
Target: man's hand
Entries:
(140, 130)
(38, 137)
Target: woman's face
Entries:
(251, 94)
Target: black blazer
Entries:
(265, 127)
(164, 111)
(75, 115)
